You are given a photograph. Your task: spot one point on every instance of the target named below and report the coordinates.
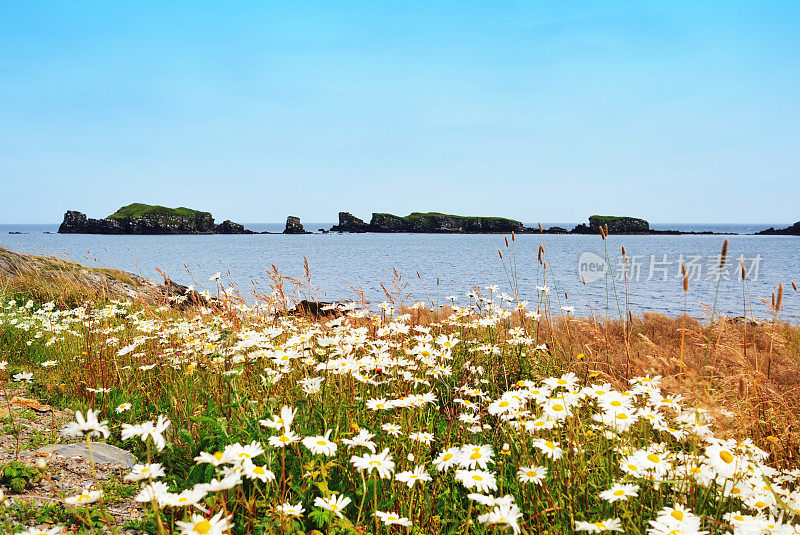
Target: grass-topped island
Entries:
(139, 218)
(433, 222)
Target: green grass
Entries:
(138, 210)
(428, 215)
(610, 218)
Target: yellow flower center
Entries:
(476, 477)
(258, 470)
(475, 456)
(759, 504)
(530, 473)
(550, 445)
(619, 492)
(204, 526)
(558, 407)
(616, 403)
(653, 458)
(504, 404)
(726, 456)
(622, 416)
(321, 442)
(284, 438)
(677, 515)
(218, 456)
(447, 456)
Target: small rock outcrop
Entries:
(350, 223)
(293, 226)
(229, 227)
(146, 219)
(100, 452)
(794, 230)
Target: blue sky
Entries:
(542, 111)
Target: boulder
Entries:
(100, 452)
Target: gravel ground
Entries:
(24, 430)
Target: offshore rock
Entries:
(229, 227)
(293, 226)
(350, 223)
(794, 230)
(616, 225)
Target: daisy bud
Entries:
(411, 457)
(41, 465)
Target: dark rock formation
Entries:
(432, 222)
(152, 220)
(315, 309)
(616, 225)
(350, 223)
(293, 226)
(794, 230)
(229, 227)
(619, 225)
(390, 223)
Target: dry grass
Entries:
(749, 370)
(66, 283)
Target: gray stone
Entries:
(102, 452)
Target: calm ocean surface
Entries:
(453, 264)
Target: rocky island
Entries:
(429, 222)
(794, 230)
(138, 218)
(616, 225)
(435, 222)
